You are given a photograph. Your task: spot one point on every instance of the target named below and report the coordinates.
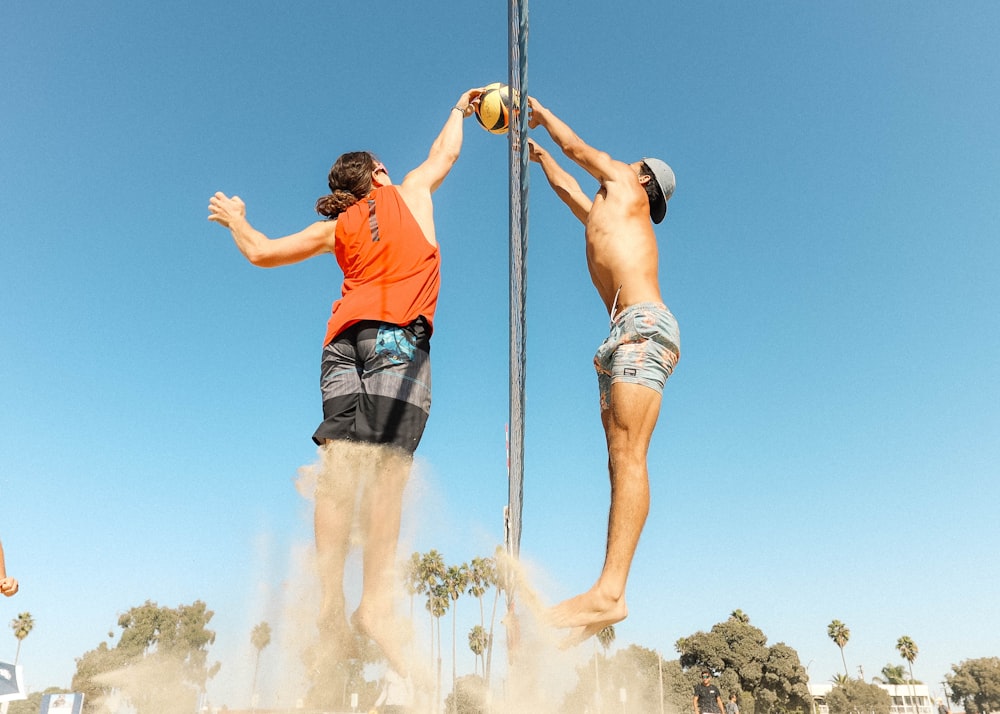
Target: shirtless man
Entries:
(633, 364)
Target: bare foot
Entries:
(385, 631)
(586, 614)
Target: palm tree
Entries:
(430, 573)
(839, 680)
(437, 605)
(21, 626)
(907, 649)
(259, 638)
(412, 581)
(894, 674)
(481, 574)
(499, 578)
(456, 580)
(839, 633)
(606, 637)
(478, 640)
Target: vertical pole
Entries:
(517, 36)
(517, 134)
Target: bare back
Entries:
(621, 244)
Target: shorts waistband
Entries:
(638, 306)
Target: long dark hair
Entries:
(350, 180)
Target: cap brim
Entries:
(664, 176)
(658, 210)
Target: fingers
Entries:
(222, 207)
(534, 151)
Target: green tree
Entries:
(22, 626)
(907, 649)
(259, 638)
(772, 677)
(482, 575)
(160, 664)
(857, 697)
(455, 581)
(33, 704)
(606, 638)
(433, 572)
(413, 581)
(838, 632)
(501, 577)
(975, 683)
(469, 696)
(478, 641)
(637, 670)
(894, 674)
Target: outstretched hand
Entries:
(469, 100)
(225, 210)
(535, 109)
(535, 152)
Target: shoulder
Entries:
(619, 170)
(325, 228)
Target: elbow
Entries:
(259, 258)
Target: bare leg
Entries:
(628, 426)
(336, 493)
(381, 508)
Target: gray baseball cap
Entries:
(664, 176)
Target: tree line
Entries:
(161, 665)
(974, 684)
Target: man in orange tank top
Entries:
(375, 376)
(643, 347)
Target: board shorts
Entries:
(376, 384)
(643, 348)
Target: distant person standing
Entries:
(8, 586)
(942, 709)
(731, 706)
(707, 697)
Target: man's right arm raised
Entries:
(566, 187)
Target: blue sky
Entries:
(828, 446)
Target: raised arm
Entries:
(445, 149)
(566, 187)
(265, 252)
(597, 163)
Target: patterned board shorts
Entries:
(643, 348)
(376, 384)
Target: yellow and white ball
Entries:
(492, 112)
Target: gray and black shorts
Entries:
(376, 384)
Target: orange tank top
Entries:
(391, 271)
